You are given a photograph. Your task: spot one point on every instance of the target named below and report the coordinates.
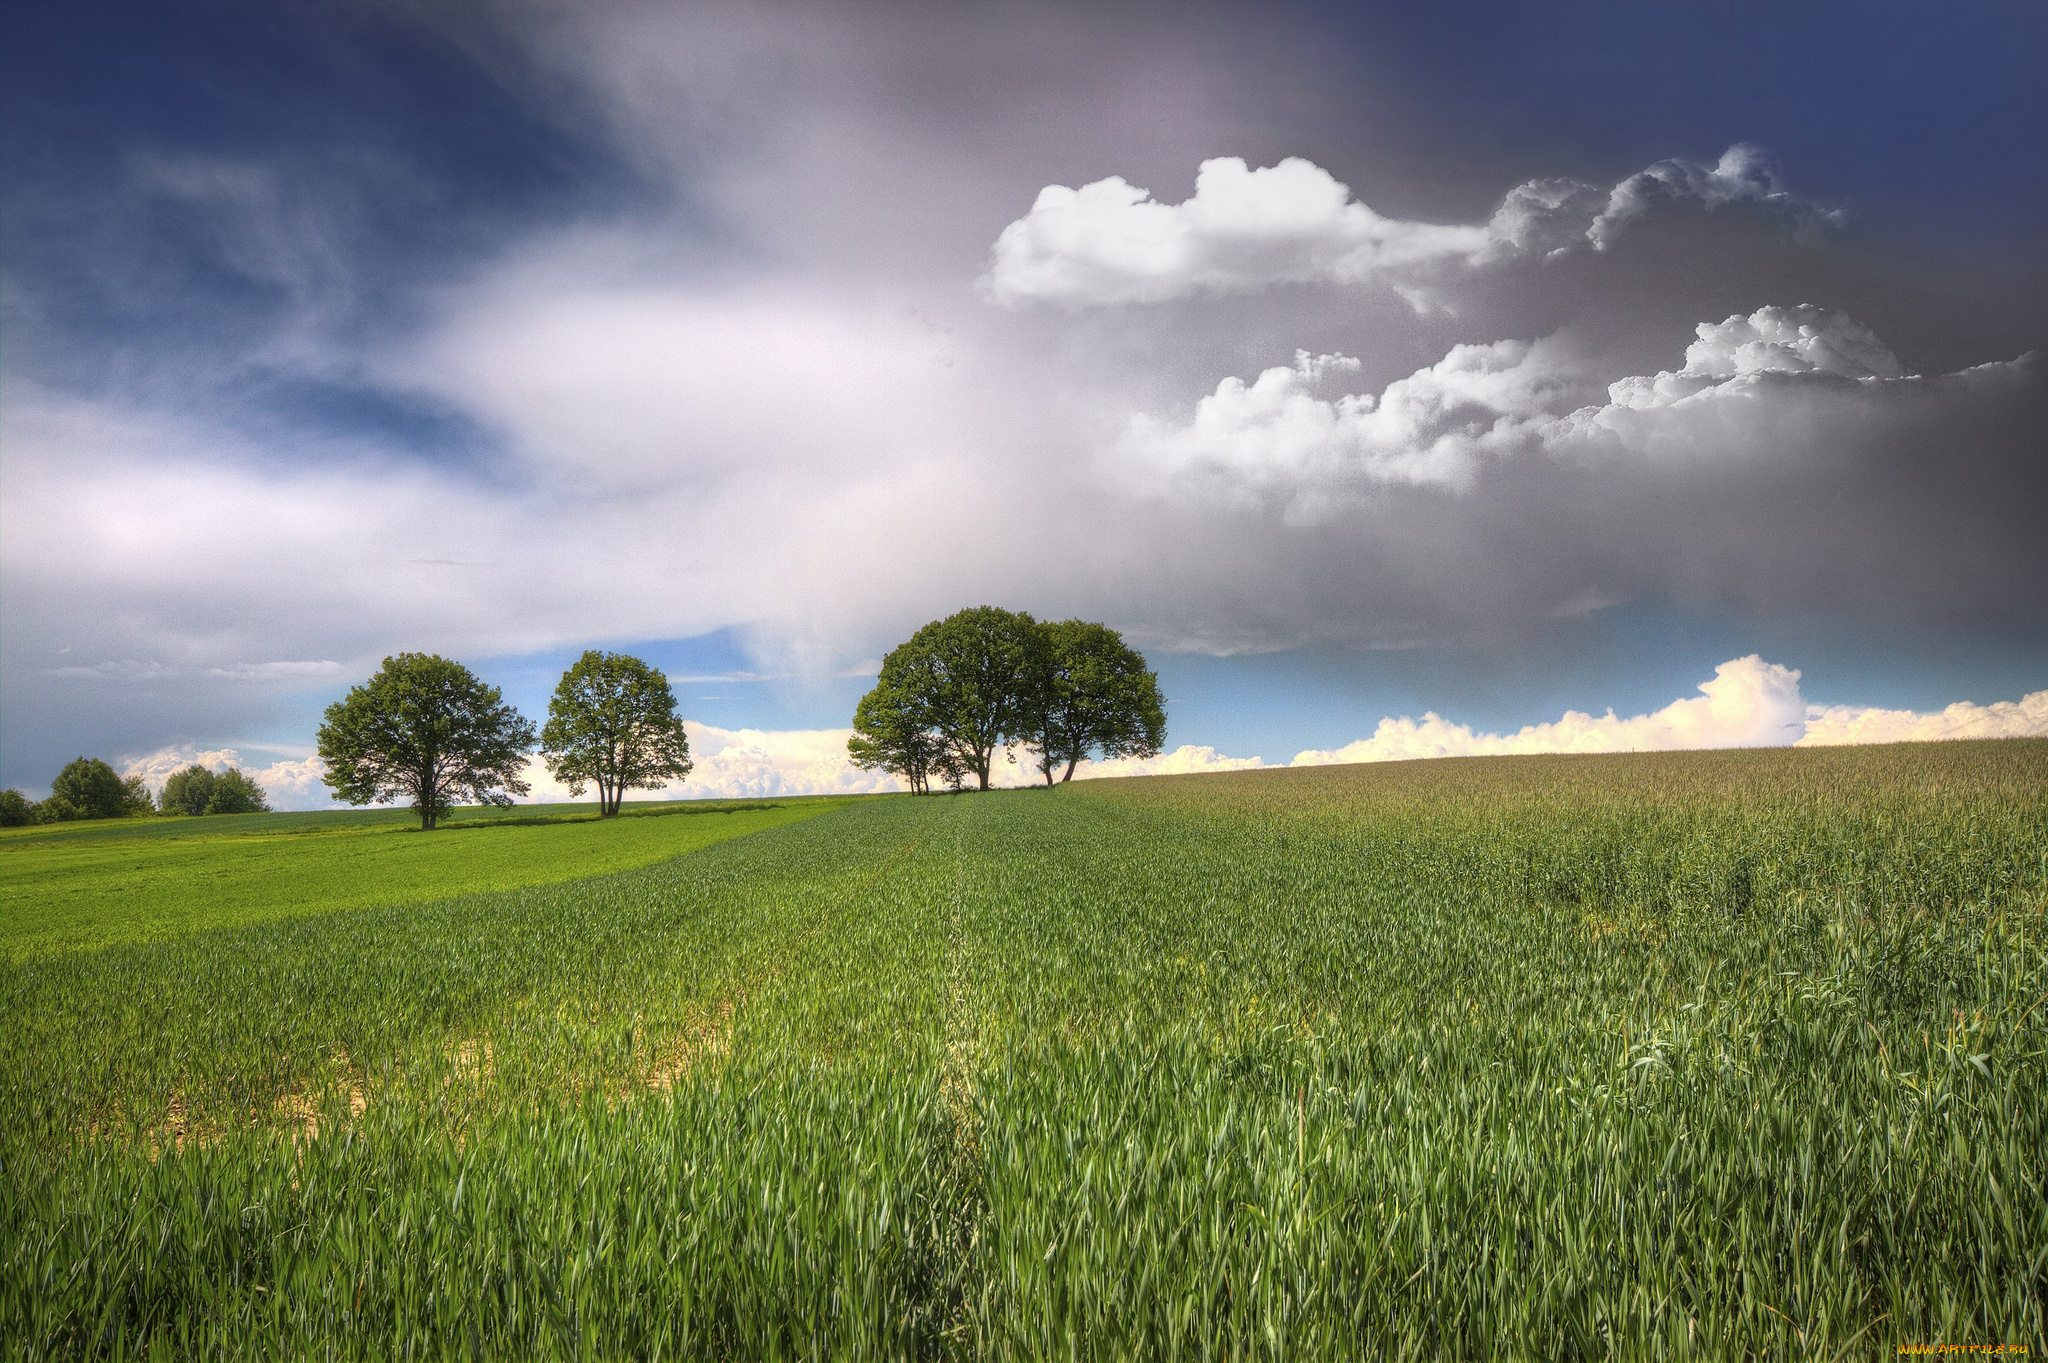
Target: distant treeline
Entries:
(427, 730)
(962, 689)
(88, 788)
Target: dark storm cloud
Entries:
(521, 327)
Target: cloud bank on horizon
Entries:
(1748, 703)
(790, 321)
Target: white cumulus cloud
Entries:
(1187, 759)
(756, 763)
(1772, 340)
(1801, 393)
(1745, 172)
(1436, 427)
(1835, 724)
(1111, 242)
(290, 782)
(1749, 704)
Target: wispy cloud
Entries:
(137, 670)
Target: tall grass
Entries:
(1708, 1055)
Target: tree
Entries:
(236, 792)
(187, 791)
(15, 809)
(1098, 696)
(135, 796)
(893, 731)
(196, 790)
(975, 676)
(613, 721)
(88, 788)
(429, 729)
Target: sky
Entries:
(1403, 380)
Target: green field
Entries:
(65, 886)
(1701, 1055)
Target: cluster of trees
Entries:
(197, 790)
(88, 788)
(429, 731)
(963, 689)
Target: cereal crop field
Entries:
(1689, 1055)
(70, 885)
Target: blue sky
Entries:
(750, 337)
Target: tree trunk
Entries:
(1072, 762)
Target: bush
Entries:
(56, 809)
(15, 809)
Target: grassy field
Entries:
(65, 886)
(1709, 1055)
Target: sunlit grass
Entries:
(66, 886)
(1717, 1055)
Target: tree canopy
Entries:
(1098, 697)
(893, 731)
(976, 675)
(962, 688)
(88, 788)
(429, 730)
(613, 722)
(236, 792)
(187, 791)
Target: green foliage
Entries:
(1673, 1056)
(894, 730)
(16, 811)
(88, 788)
(427, 730)
(613, 721)
(197, 790)
(56, 809)
(236, 792)
(187, 791)
(73, 887)
(1097, 696)
(976, 676)
(963, 687)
